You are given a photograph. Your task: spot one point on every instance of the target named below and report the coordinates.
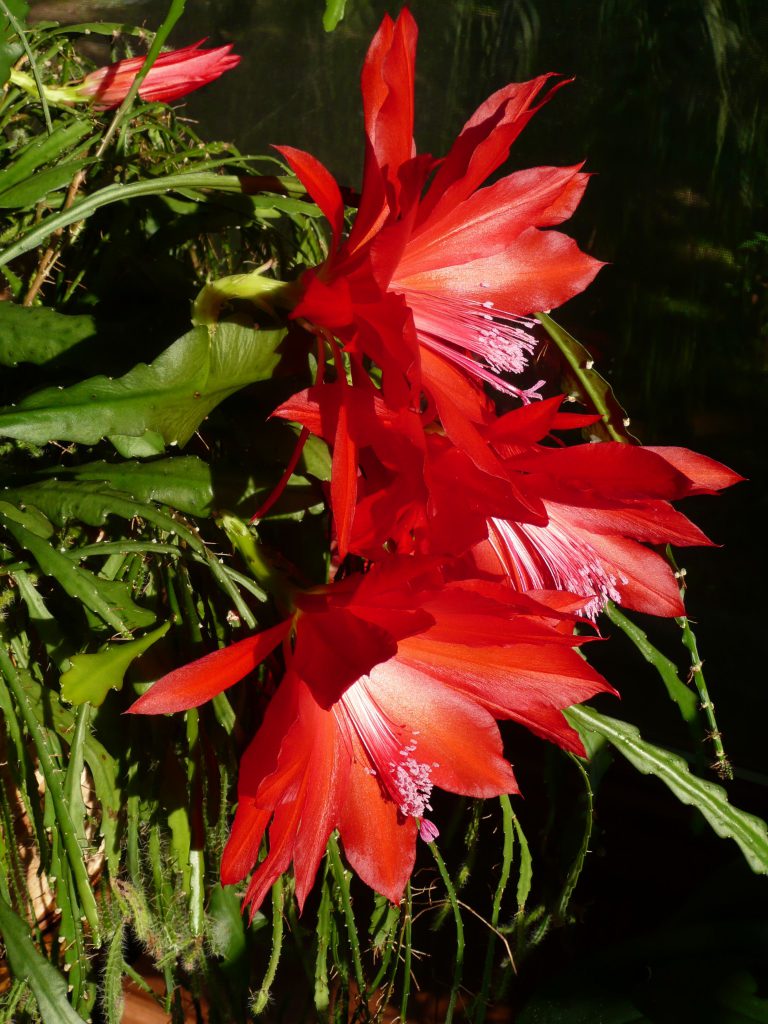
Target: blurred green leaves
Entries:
(48, 986)
(90, 677)
(749, 831)
(153, 405)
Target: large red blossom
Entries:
(173, 75)
(576, 518)
(393, 684)
(470, 263)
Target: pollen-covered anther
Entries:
(483, 343)
(389, 749)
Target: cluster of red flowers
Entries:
(481, 539)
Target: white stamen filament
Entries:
(499, 342)
(390, 749)
(552, 556)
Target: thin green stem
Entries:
(341, 878)
(506, 868)
(459, 960)
(19, 30)
(407, 957)
(175, 11)
(64, 821)
(576, 868)
(676, 688)
(261, 999)
(722, 764)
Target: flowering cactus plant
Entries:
(321, 549)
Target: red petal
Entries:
(379, 843)
(706, 474)
(320, 184)
(387, 85)
(655, 522)
(325, 304)
(529, 683)
(454, 734)
(335, 648)
(612, 469)
(344, 477)
(242, 849)
(540, 270)
(526, 425)
(482, 146)
(651, 586)
(194, 684)
(492, 218)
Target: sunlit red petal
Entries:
(195, 683)
(539, 271)
(379, 843)
(490, 220)
(483, 145)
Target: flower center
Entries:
(390, 749)
(483, 340)
(543, 557)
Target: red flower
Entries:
(469, 264)
(392, 687)
(603, 503)
(173, 74)
(436, 282)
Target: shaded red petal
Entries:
(609, 468)
(344, 477)
(325, 304)
(194, 684)
(335, 648)
(320, 184)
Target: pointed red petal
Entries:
(650, 585)
(655, 522)
(379, 843)
(194, 684)
(483, 145)
(492, 218)
(320, 184)
(540, 270)
(387, 83)
(705, 474)
(242, 849)
(611, 469)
